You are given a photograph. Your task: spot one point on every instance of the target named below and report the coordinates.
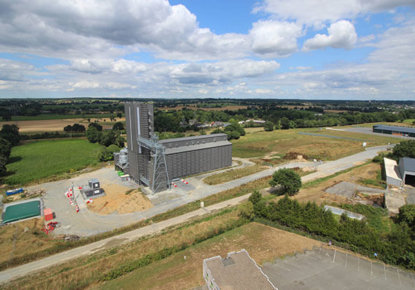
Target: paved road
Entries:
(323, 170)
(25, 269)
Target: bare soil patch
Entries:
(120, 199)
(318, 194)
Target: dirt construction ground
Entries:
(119, 199)
(319, 195)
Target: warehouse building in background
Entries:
(155, 163)
(394, 130)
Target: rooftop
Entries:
(191, 138)
(196, 147)
(408, 163)
(395, 128)
(237, 271)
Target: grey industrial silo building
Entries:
(155, 163)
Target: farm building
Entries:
(237, 271)
(394, 130)
(407, 170)
(155, 163)
(399, 175)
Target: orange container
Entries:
(47, 212)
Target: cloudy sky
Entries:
(309, 49)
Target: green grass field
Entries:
(259, 144)
(44, 159)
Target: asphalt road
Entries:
(325, 169)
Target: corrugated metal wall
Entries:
(192, 160)
(199, 160)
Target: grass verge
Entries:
(115, 262)
(232, 174)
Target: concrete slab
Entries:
(311, 270)
(349, 189)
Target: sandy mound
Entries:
(120, 199)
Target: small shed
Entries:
(407, 170)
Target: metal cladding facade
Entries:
(139, 122)
(192, 155)
(155, 163)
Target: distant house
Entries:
(237, 271)
(399, 175)
(202, 126)
(394, 130)
(255, 122)
(218, 124)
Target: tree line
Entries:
(395, 247)
(276, 117)
(9, 137)
(111, 139)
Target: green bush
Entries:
(288, 180)
(93, 134)
(268, 126)
(107, 153)
(395, 247)
(405, 149)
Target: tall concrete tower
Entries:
(140, 123)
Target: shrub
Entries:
(119, 126)
(246, 211)
(268, 126)
(288, 180)
(405, 149)
(93, 134)
(107, 154)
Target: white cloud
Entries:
(85, 28)
(315, 12)
(221, 72)
(263, 91)
(274, 38)
(340, 35)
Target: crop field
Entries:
(59, 116)
(261, 143)
(45, 159)
(52, 125)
